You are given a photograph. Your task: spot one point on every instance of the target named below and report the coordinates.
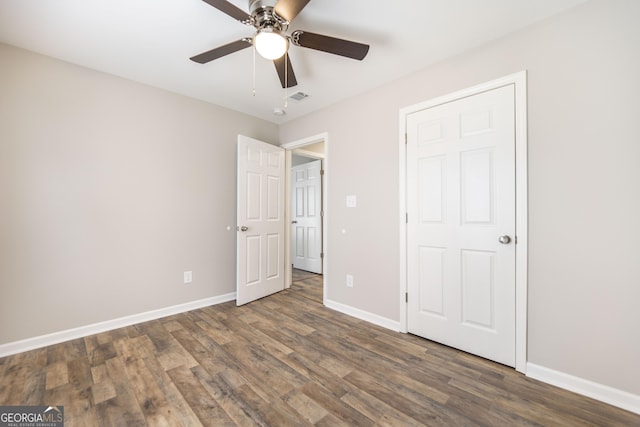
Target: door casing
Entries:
(519, 80)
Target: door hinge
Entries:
(321, 213)
(321, 254)
(406, 297)
(406, 217)
(405, 139)
(321, 172)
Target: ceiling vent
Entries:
(299, 96)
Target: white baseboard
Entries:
(363, 315)
(96, 328)
(610, 395)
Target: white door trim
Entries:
(307, 153)
(290, 147)
(519, 80)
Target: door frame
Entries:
(519, 80)
(289, 148)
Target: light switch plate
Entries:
(352, 201)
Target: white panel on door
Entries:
(273, 259)
(274, 160)
(254, 197)
(254, 156)
(478, 284)
(299, 240)
(477, 192)
(313, 172)
(432, 188)
(300, 175)
(430, 132)
(254, 246)
(273, 198)
(299, 202)
(473, 123)
(311, 201)
(431, 271)
(312, 243)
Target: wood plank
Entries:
(334, 405)
(124, 406)
(78, 410)
(179, 406)
(57, 375)
(416, 406)
(308, 408)
(203, 404)
(35, 378)
(380, 412)
(228, 397)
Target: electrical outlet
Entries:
(188, 276)
(349, 281)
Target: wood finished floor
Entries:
(284, 360)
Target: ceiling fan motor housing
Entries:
(263, 15)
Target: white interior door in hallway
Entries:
(260, 220)
(306, 219)
(461, 203)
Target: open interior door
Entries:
(260, 220)
(306, 216)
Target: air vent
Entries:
(299, 96)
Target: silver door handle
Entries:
(243, 228)
(505, 240)
(294, 222)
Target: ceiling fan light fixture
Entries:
(270, 43)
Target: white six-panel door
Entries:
(260, 220)
(306, 227)
(461, 224)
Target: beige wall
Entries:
(109, 190)
(584, 185)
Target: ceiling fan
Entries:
(271, 19)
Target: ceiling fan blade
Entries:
(330, 44)
(230, 9)
(289, 9)
(290, 77)
(221, 51)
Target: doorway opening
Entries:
(306, 215)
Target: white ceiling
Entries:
(151, 41)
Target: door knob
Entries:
(505, 240)
(243, 228)
(294, 222)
